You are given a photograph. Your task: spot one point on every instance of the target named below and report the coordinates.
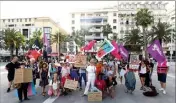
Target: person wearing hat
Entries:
(44, 77)
(91, 76)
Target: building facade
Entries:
(28, 25)
(93, 20)
(120, 17)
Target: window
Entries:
(12, 20)
(105, 20)
(17, 20)
(89, 14)
(4, 20)
(20, 20)
(73, 15)
(25, 20)
(114, 21)
(73, 28)
(114, 27)
(47, 30)
(27, 24)
(82, 15)
(97, 14)
(32, 24)
(73, 22)
(8, 20)
(114, 14)
(29, 19)
(121, 22)
(11, 25)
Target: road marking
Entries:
(50, 100)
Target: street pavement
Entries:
(76, 96)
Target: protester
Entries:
(162, 70)
(91, 75)
(52, 69)
(55, 85)
(142, 74)
(22, 90)
(74, 73)
(111, 83)
(99, 67)
(10, 67)
(100, 84)
(44, 78)
(34, 67)
(82, 74)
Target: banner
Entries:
(105, 48)
(156, 51)
(115, 52)
(124, 53)
(89, 45)
(71, 84)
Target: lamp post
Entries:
(171, 51)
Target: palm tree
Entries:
(36, 36)
(144, 18)
(19, 41)
(9, 35)
(161, 31)
(106, 30)
(133, 40)
(58, 38)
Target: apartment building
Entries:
(128, 10)
(120, 17)
(28, 25)
(93, 20)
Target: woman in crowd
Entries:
(52, 69)
(82, 74)
(74, 73)
(111, 83)
(44, 78)
(142, 74)
(91, 75)
(34, 67)
(100, 84)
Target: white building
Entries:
(128, 9)
(93, 20)
(120, 17)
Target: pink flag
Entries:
(90, 45)
(115, 52)
(45, 40)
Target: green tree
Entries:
(162, 32)
(9, 35)
(144, 18)
(37, 35)
(19, 41)
(133, 40)
(58, 38)
(107, 30)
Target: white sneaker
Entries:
(161, 89)
(164, 92)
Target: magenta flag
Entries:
(45, 40)
(156, 51)
(123, 52)
(115, 52)
(89, 45)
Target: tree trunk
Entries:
(11, 50)
(160, 40)
(145, 43)
(16, 51)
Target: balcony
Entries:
(93, 37)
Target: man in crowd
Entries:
(11, 70)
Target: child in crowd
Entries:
(111, 83)
(55, 85)
(44, 77)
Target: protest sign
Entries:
(23, 76)
(80, 61)
(71, 84)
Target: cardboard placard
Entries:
(95, 96)
(23, 76)
(71, 84)
(80, 61)
(71, 59)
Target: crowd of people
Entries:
(97, 73)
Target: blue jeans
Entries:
(82, 75)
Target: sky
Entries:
(57, 10)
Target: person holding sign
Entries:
(91, 75)
(22, 90)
